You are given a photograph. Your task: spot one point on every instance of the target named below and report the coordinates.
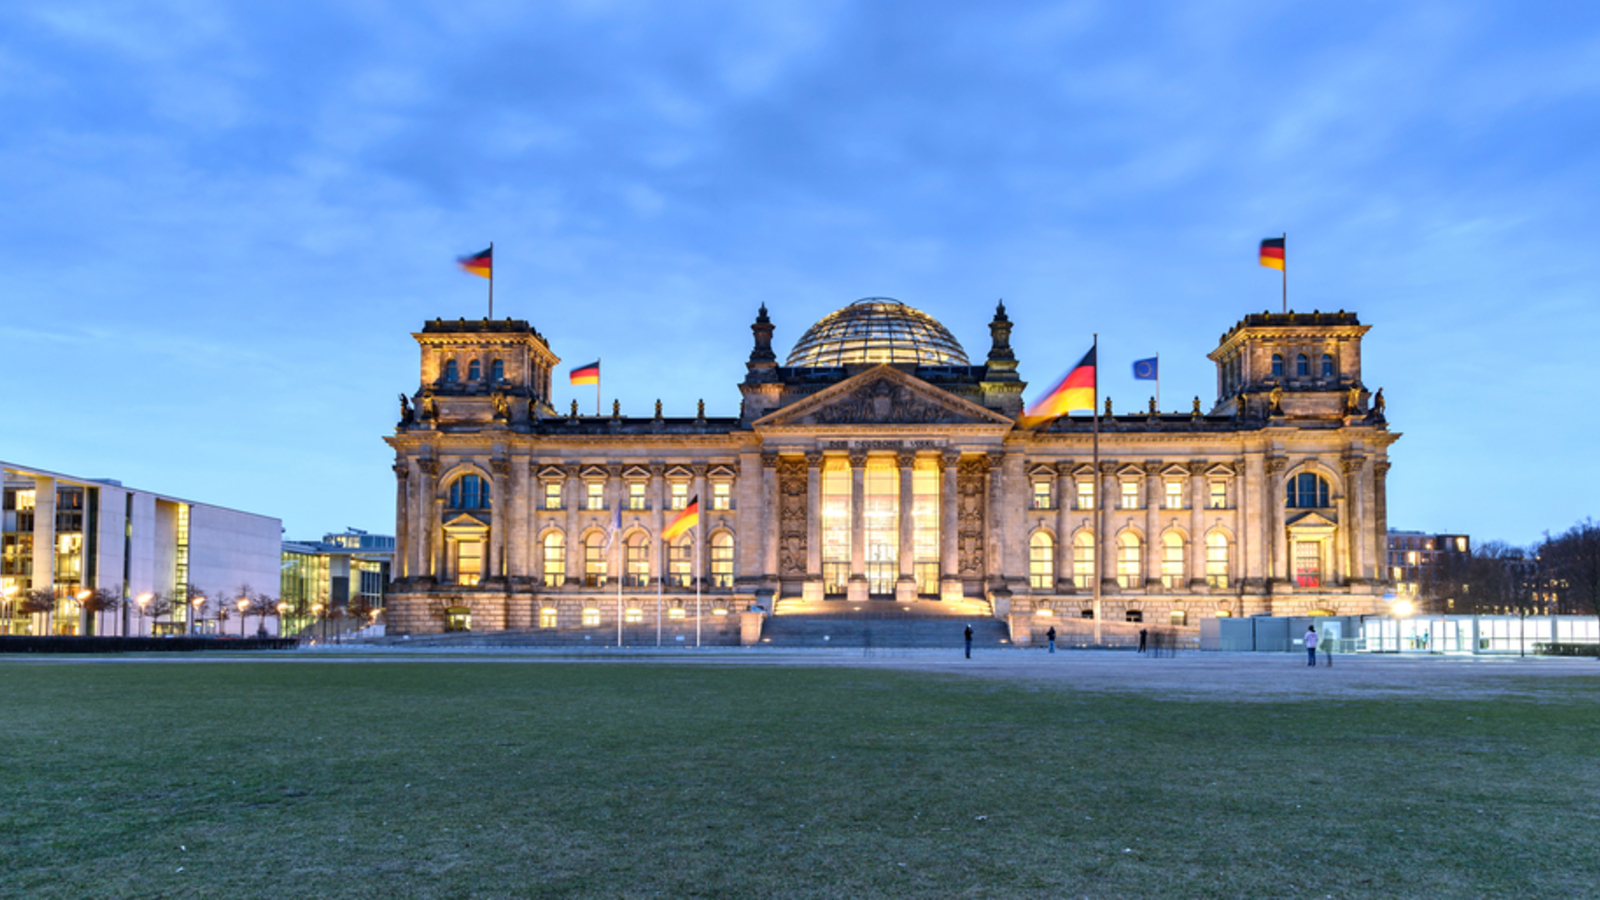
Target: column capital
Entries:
(402, 471)
(858, 459)
(1353, 464)
(428, 465)
(949, 458)
(573, 470)
(814, 459)
(1276, 464)
(658, 469)
(699, 469)
(1380, 469)
(614, 469)
(501, 466)
(1197, 467)
(996, 457)
(1152, 467)
(906, 459)
(1064, 468)
(769, 459)
(1107, 467)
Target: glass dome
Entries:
(877, 330)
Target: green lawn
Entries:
(400, 780)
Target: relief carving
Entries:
(970, 508)
(792, 517)
(884, 401)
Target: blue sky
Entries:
(224, 220)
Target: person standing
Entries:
(1143, 634)
(1311, 645)
(1051, 636)
(968, 634)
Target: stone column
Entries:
(572, 495)
(44, 536)
(1065, 491)
(1380, 517)
(857, 589)
(1278, 536)
(519, 518)
(813, 588)
(1355, 494)
(702, 553)
(1107, 531)
(493, 551)
(658, 521)
(1154, 547)
(402, 488)
(427, 519)
(1198, 497)
(949, 528)
(905, 588)
(996, 536)
(771, 507)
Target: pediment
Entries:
(721, 471)
(465, 522)
(882, 395)
(1311, 520)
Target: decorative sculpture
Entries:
(1352, 400)
(1274, 399)
(407, 416)
(429, 410)
(1377, 403)
(502, 408)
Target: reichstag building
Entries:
(880, 465)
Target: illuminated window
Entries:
(1041, 494)
(1219, 494)
(678, 495)
(680, 562)
(722, 560)
(1308, 490)
(880, 515)
(469, 562)
(633, 615)
(1174, 493)
(1178, 617)
(721, 495)
(497, 370)
(1130, 561)
(637, 565)
(636, 495)
(1329, 370)
(469, 492)
(547, 617)
(1277, 365)
(1130, 495)
(474, 371)
(1302, 366)
(1172, 561)
(555, 559)
(591, 616)
(925, 525)
(1041, 561)
(1308, 563)
(594, 495)
(675, 613)
(835, 525)
(1086, 494)
(1083, 560)
(594, 560)
(1411, 558)
(552, 495)
(1461, 545)
(452, 372)
(1217, 559)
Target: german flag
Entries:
(480, 264)
(687, 518)
(589, 374)
(1272, 253)
(1073, 393)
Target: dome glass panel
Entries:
(877, 330)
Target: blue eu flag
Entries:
(1146, 369)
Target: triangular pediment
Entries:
(1311, 520)
(882, 395)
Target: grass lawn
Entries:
(456, 779)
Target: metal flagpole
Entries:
(1099, 501)
(597, 386)
(1158, 380)
(658, 591)
(491, 279)
(1285, 271)
(700, 577)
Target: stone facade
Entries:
(910, 479)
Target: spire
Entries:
(763, 362)
(1002, 363)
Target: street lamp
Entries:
(244, 604)
(194, 620)
(143, 600)
(316, 610)
(8, 592)
(83, 618)
(282, 608)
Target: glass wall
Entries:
(835, 525)
(881, 512)
(925, 524)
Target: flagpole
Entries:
(1285, 271)
(1158, 381)
(491, 279)
(658, 592)
(1099, 501)
(597, 386)
(697, 580)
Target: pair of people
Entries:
(1311, 642)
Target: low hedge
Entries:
(1558, 649)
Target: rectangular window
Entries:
(594, 495)
(678, 495)
(1172, 565)
(547, 618)
(881, 525)
(676, 613)
(925, 525)
(722, 562)
(1219, 494)
(1178, 617)
(633, 615)
(1041, 495)
(591, 616)
(469, 562)
(1083, 564)
(1217, 561)
(1130, 565)
(1174, 493)
(680, 571)
(1041, 564)
(1308, 563)
(552, 495)
(1086, 494)
(637, 572)
(594, 563)
(636, 495)
(721, 495)
(1130, 495)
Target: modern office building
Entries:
(1418, 560)
(349, 570)
(880, 465)
(71, 536)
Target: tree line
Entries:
(1559, 575)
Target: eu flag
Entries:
(1146, 369)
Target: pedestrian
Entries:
(1143, 634)
(1051, 636)
(1311, 645)
(969, 641)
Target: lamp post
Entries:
(244, 604)
(282, 608)
(316, 610)
(84, 622)
(199, 603)
(9, 592)
(143, 601)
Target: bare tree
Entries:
(160, 604)
(1498, 577)
(38, 602)
(99, 602)
(1573, 558)
(262, 606)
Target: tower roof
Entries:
(877, 330)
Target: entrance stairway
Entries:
(880, 624)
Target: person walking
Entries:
(1051, 636)
(1143, 634)
(1311, 645)
(969, 641)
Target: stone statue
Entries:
(502, 407)
(429, 410)
(1108, 408)
(406, 414)
(1275, 402)
(1377, 403)
(533, 409)
(658, 410)
(1152, 406)
(1196, 410)
(1352, 400)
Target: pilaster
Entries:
(858, 587)
(949, 528)
(905, 588)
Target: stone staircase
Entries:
(881, 625)
(720, 631)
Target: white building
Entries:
(74, 536)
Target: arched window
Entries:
(452, 373)
(1130, 561)
(497, 370)
(1329, 370)
(722, 560)
(680, 562)
(474, 371)
(555, 559)
(469, 492)
(1083, 561)
(594, 560)
(1308, 490)
(1172, 561)
(637, 573)
(1277, 365)
(1217, 559)
(1302, 366)
(1041, 561)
